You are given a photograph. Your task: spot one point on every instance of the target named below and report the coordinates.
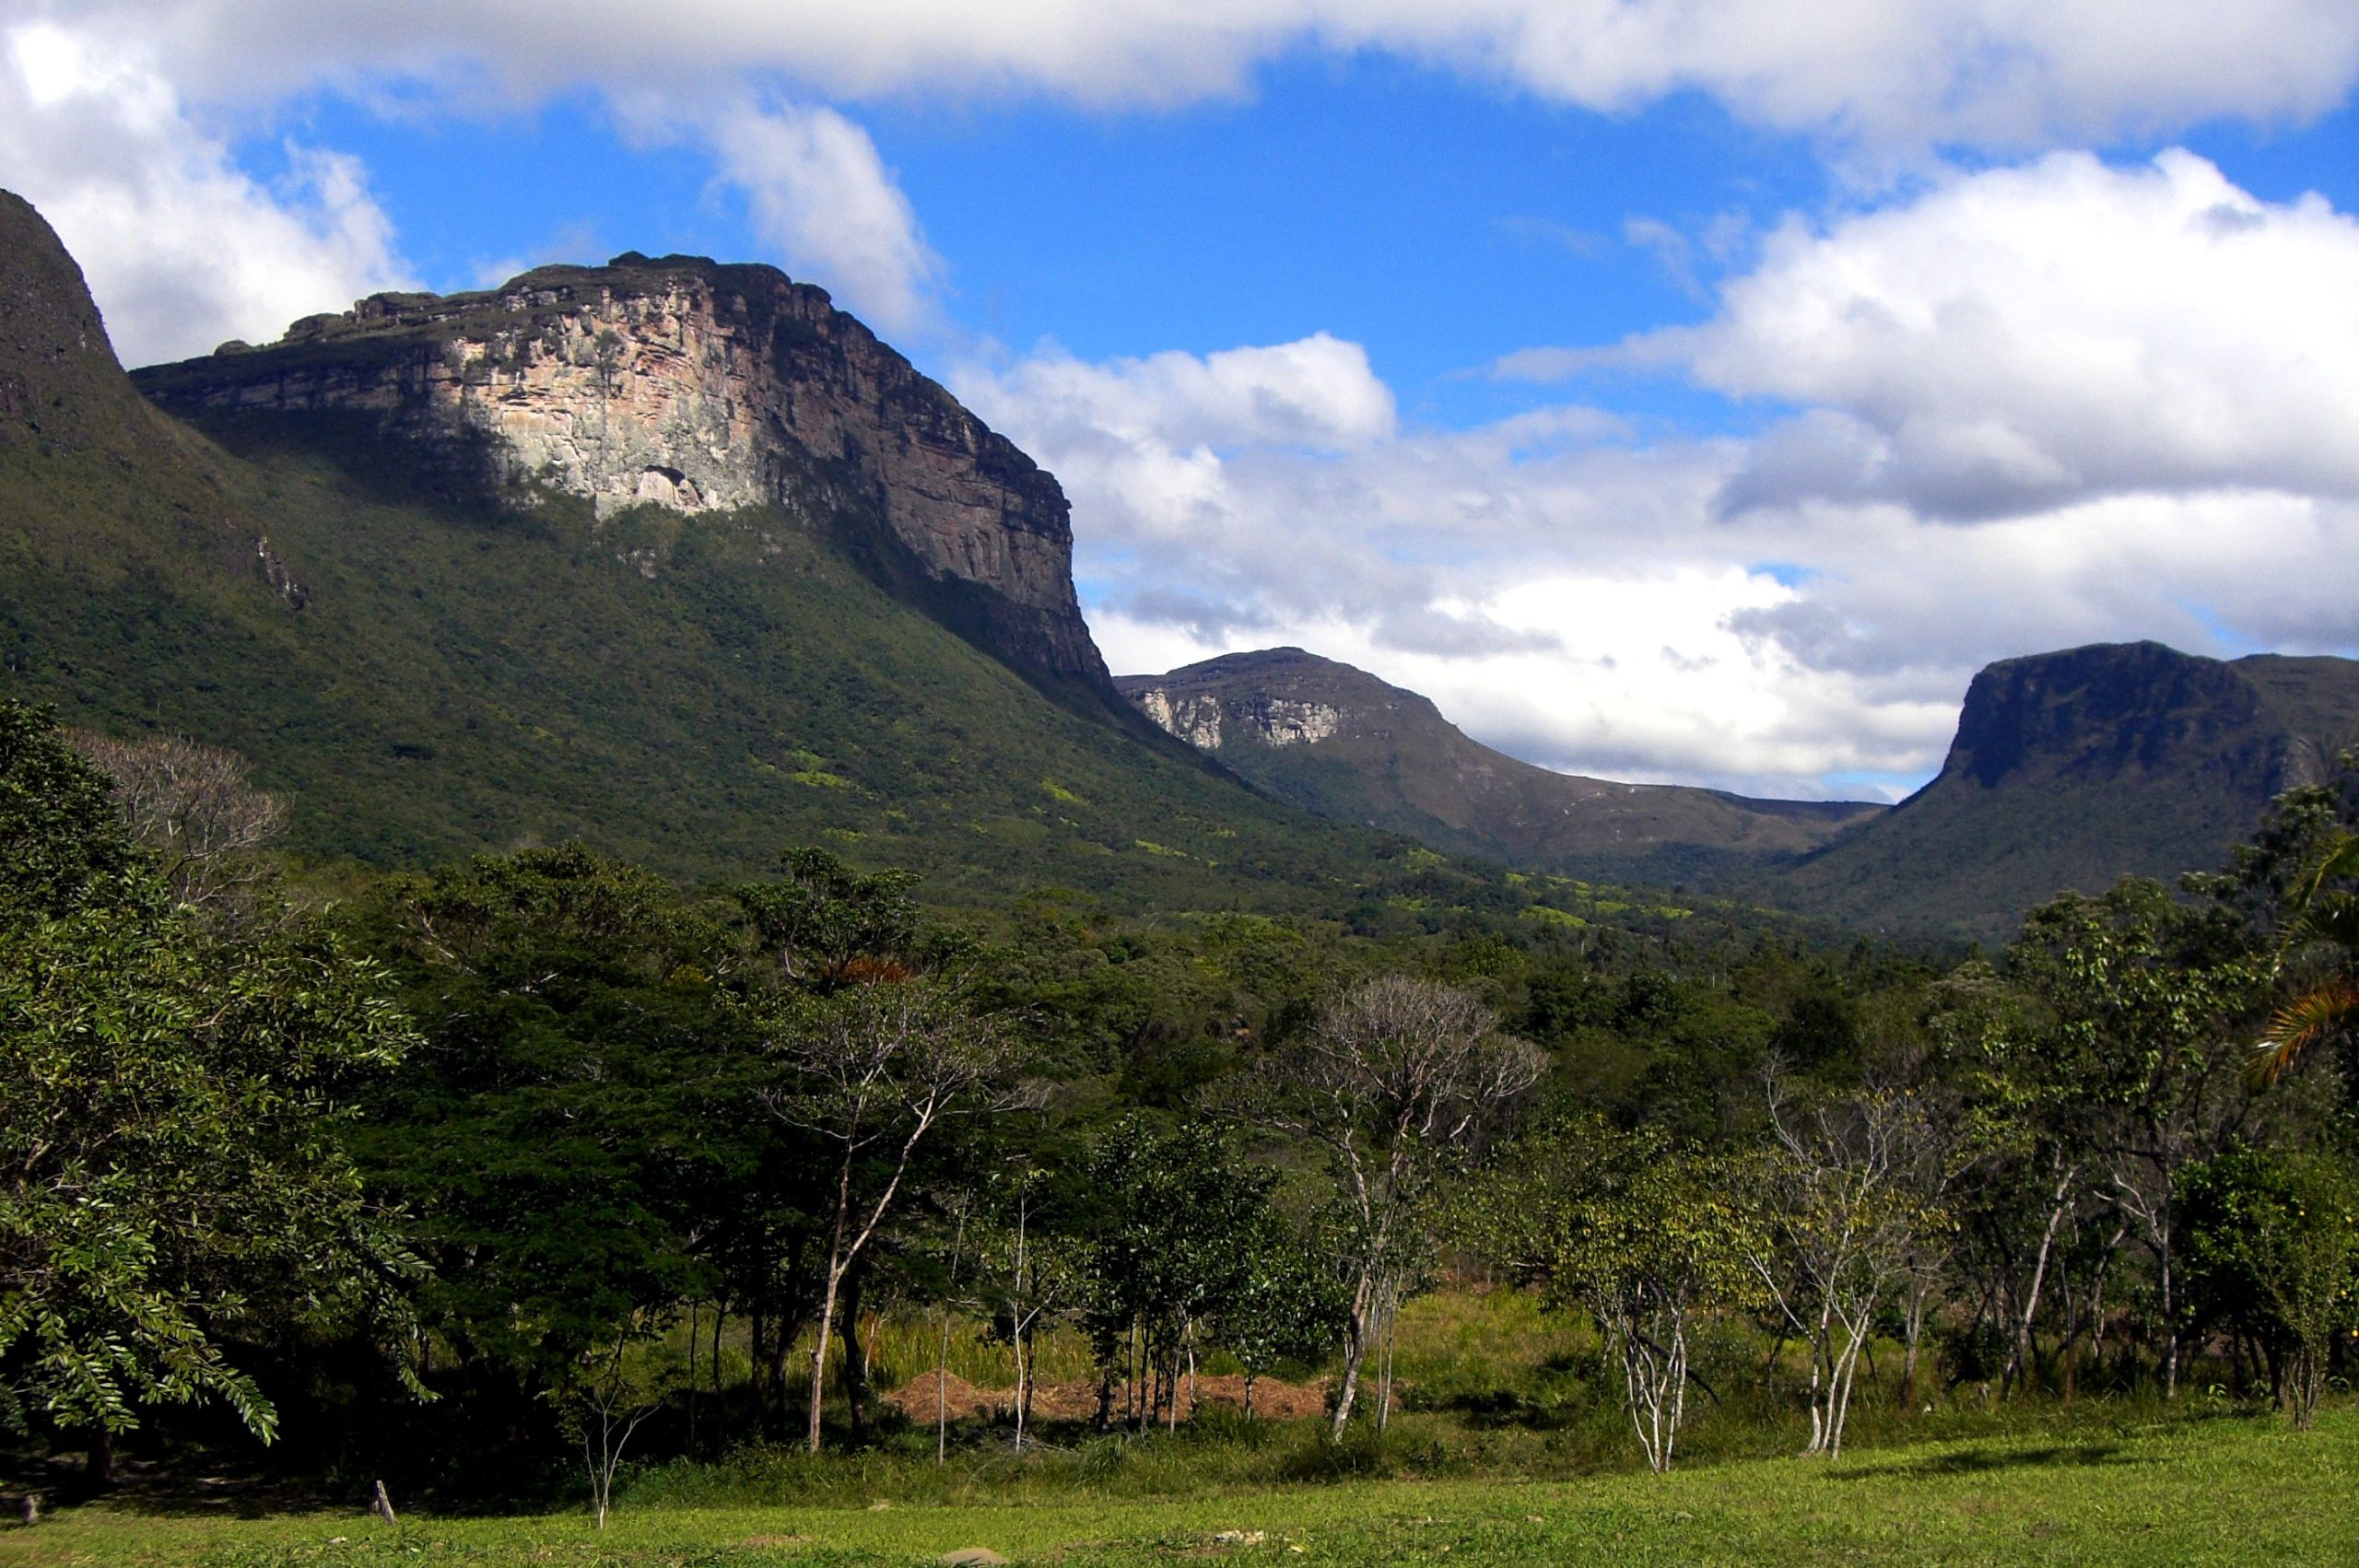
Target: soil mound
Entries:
(918, 1399)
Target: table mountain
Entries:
(699, 388)
(1343, 743)
(2072, 770)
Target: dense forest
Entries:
(500, 1179)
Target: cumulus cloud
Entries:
(2037, 407)
(1995, 74)
(180, 249)
(2042, 335)
(819, 194)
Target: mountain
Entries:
(2072, 770)
(1342, 742)
(696, 388)
(668, 557)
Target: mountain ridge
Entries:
(426, 669)
(1338, 740)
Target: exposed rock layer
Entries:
(694, 386)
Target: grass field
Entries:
(2224, 1490)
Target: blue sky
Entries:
(1378, 202)
(1672, 389)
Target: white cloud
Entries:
(2042, 335)
(819, 194)
(2041, 407)
(181, 250)
(1995, 74)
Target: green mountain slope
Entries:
(425, 671)
(1342, 742)
(2072, 770)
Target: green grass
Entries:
(2226, 1490)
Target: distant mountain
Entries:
(2072, 770)
(1342, 742)
(670, 557)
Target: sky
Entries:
(1696, 391)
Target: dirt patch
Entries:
(1273, 1400)
(922, 1398)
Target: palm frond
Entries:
(2321, 1011)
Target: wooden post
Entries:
(33, 1509)
(383, 1507)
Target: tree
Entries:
(2130, 1069)
(1282, 1308)
(1660, 1237)
(171, 1105)
(194, 809)
(1176, 1228)
(1397, 1081)
(608, 1394)
(1027, 1272)
(827, 925)
(575, 1137)
(60, 844)
(1834, 1217)
(874, 1068)
(2274, 1248)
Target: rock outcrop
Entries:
(695, 386)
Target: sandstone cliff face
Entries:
(1271, 721)
(696, 387)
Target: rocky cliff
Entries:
(696, 387)
(1345, 743)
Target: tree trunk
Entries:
(1913, 1333)
(1355, 1327)
(758, 1349)
(820, 1354)
(942, 1394)
(837, 1265)
(98, 1468)
(855, 1361)
(720, 1406)
(2019, 1363)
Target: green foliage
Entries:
(1648, 1238)
(169, 1104)
(1182, 1239)
(584, 1095)
(2272, 1249)
(58, 837)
